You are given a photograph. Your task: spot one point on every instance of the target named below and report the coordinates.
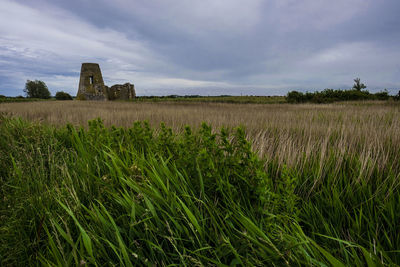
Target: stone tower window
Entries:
(91, 79)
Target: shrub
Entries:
(383, 95)
(331, 95)
(63, 96)
(295, 97)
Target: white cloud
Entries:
(63, 35)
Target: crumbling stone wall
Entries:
(91, 86)
(121, 91)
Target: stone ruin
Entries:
(91, 86)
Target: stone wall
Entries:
(91, 86)
(121, 91)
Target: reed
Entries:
(315, 185)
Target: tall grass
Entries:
(318, 185)
(127, 196)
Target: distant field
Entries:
(215, 99)
(172, 98)
(330, 174)
(20, 99)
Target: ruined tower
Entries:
(91, 84)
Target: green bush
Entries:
(63, 96)
(383, 95)
(331, 95)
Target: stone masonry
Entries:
(91, 86)
(121, 91)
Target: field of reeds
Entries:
(255, 184)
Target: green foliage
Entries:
(143, 196)
(36, 89)
(331, 95)
(124, 196)
(63, 96)
(383, 95)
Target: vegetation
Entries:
(319, 187)
(6, 99)
(36, 89)
(63, 96)
(397, 97)
(331, 95)
(213, 99)
(358, 85)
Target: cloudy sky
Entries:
(207, 47)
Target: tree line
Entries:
(38, 89)
(332, 95)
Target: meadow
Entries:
(200, 183)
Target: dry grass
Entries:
(288, 134)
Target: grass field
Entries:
(314, 185)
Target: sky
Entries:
(207, 47)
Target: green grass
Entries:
(136, 196)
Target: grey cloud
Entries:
(230, 46)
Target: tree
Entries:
(63, 96)
(358, 85)
(36, 89)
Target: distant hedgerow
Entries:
(331, 95)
